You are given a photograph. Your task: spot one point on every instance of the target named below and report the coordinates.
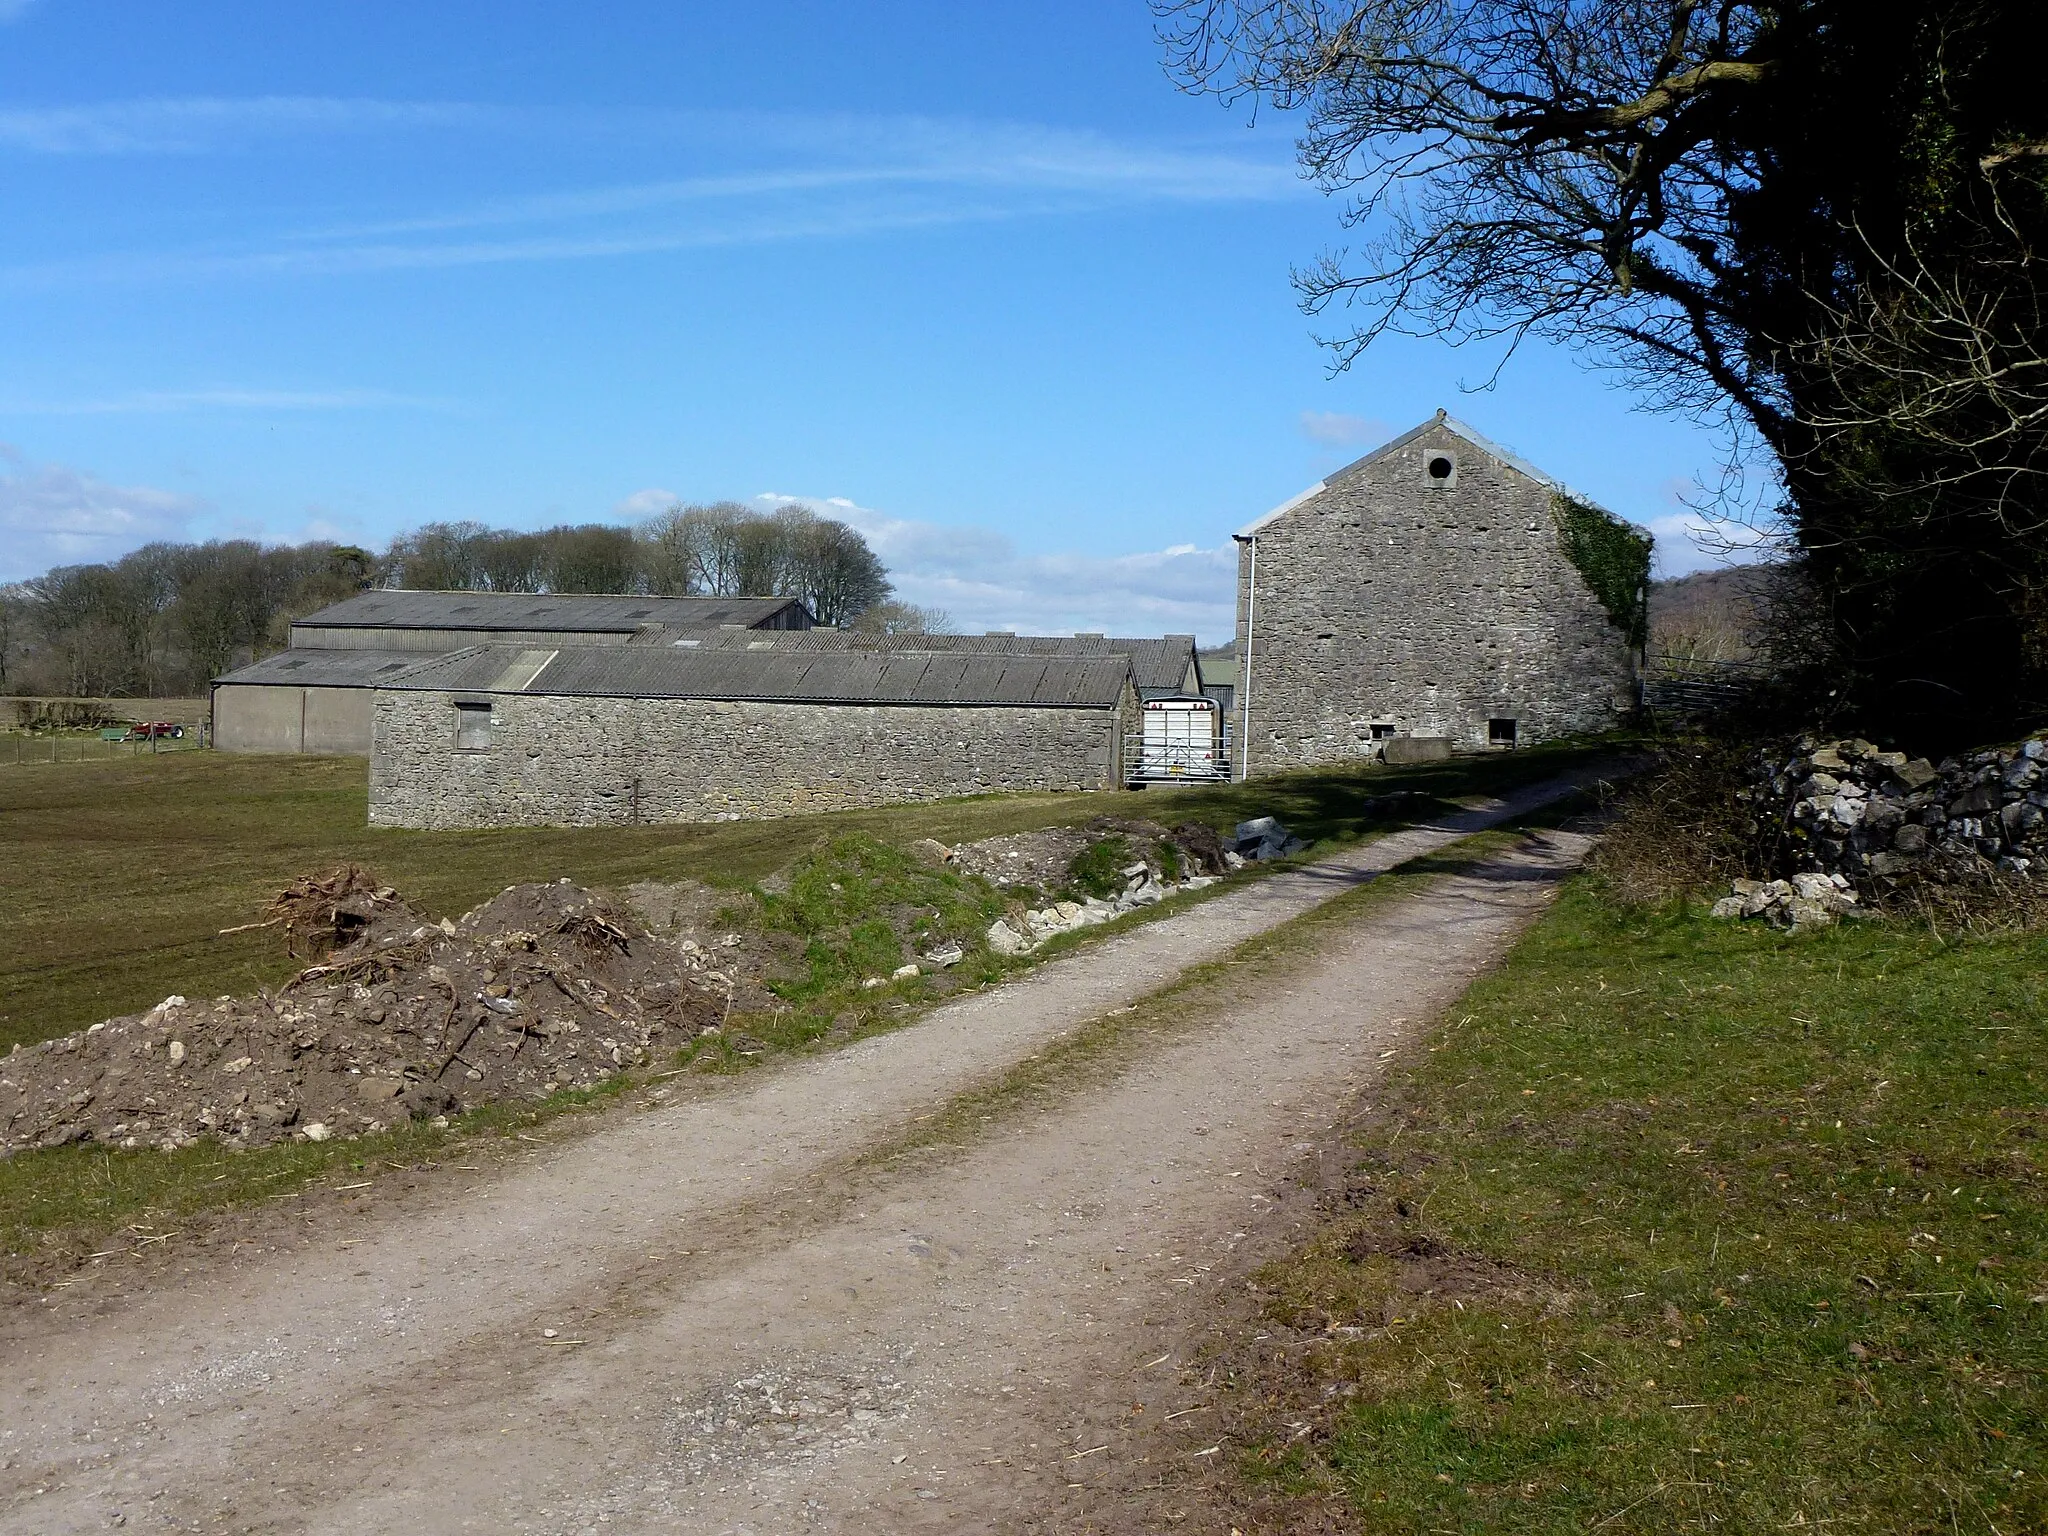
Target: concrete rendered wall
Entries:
(1386, 598)
(275, 717)
(338, 721)
(557, 761)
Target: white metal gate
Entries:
(1180, 741)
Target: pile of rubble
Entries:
(1038, 924)
(1866, 820)
(1804, 901)
(542, 988)
(1262, 839)
(1200, 862)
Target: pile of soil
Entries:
(1042, 861)
(542, 988)
(1036, 860)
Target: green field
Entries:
(116, 877)
(1680, 1225)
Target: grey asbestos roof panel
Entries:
(1157, 662)
(324, 669)
(571, 613)
(816, 677)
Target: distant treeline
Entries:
(169, 617)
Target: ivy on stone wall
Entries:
(1614, 557)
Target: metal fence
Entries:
(1689, 688)
(22, 749)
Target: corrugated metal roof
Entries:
(565, 613)
(325, 669)
(813, 677)
(1157, 662)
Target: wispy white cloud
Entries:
(190, 125)
(1334, 429)
(52, 514)
(887, 153)
(831, 179)
(979, 576)
(1688, 542)
(642, 505)
(1697, 534)
(159, 401)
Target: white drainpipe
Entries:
(1244, 661)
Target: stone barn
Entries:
(496, 736)
(315, 697)
(1439, 588)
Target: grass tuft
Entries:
(864, 908)
(1098, 869)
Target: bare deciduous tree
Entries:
(1549, 167)
(1945, 369)
(729, 550)
(894, 618)
(168, 617)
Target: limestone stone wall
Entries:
(556, 761)
(1428, 606)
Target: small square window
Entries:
(1440, 471)
(1500, 732)
(1382, 731)
(472, 727)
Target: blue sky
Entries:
(976, 278)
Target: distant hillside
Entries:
(1714, 615)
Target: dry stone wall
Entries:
(1846, 808)
(1428, 606)
(560, 761)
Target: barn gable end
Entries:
(1424, 590)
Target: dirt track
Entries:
(707, 1319)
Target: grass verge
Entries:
(1682, 1225)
